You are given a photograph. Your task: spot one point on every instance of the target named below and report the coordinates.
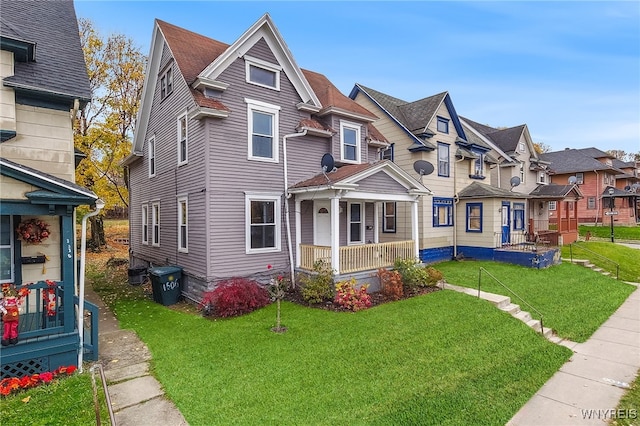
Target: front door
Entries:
(506, 222)
(322, 223)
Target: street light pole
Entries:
(611, 202)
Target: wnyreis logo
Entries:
(610, 414)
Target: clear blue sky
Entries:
(569, 70)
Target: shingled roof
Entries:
(56, 67)
(482, 190)
(415, 116)
(555, 191)
(505, 139)
(574, 160)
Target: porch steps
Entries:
(587, 264)
(504, 304)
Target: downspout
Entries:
(83, 255)
(286, 200)
(597, 192)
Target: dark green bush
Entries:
(319, 286)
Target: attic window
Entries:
(262, 73)
(166, 83)
(521, 146)
(443, 125)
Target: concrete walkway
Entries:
(137, 398)
(587, 389)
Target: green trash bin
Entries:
(166, 284)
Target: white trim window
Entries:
(523, 173)
(263, 122)
(6, 249)
(151, 154)
(182, 139)
(262, 73)
(349, 142)
(542, 177)
(155, 224)
(144, 219)
(580, 178)
(355, 230)
(521, 146)
(263, 223)
(443, 159)
(166, 83)
(552, 205)
(389, 217)
(183, 224)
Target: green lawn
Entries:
(574, 300)
(627, 258)
(65, 401)
(604, 231)
(442, 358)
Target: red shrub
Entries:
(391, 284)
(233, 297)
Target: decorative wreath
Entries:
(33, 231)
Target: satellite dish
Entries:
(635, 187)
(327, 163)
(627, 188)
(423, 167)
(572, 180)
(515, 181)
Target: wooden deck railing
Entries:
(363, 257)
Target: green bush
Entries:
(318, 287)
(415, 275)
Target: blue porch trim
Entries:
(538, 260)
(434, 255)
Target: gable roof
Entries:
(334, 101)
(52, 189)
(347, 176)
(575, 160)
(482, 190)
(505, 140)
(46, 42)
(201, 60)
(556, 191)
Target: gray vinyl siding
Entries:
(171, 181)
(381, 182)
(334, 123)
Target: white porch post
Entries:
(298, 231)
(414, 228)
(376, 222)
(335, 234)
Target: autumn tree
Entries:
(105, 127)
(541, 147)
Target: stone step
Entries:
(496, 299)
(589, 265)
(511, 308)
(523, 316)
(533, 323)
(598, 269)
(605, 273)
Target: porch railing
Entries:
(38, 319)
(526, 241)
(358, 258)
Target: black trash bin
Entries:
(166, 284)
(136, 275)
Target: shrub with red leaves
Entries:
(233, 297)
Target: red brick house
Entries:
(595, 172)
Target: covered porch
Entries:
(339, 217)
(553, 218)
(38, 268)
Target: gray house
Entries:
(226, 173)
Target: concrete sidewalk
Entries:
(137, 399)
(589, 386)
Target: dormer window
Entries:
(166, 83)
(349, 142)
(262, 73)
(542, 177)
(443, 125)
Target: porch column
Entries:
(376, 222)
(414, 228)
(298, 220)
(335, 234)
